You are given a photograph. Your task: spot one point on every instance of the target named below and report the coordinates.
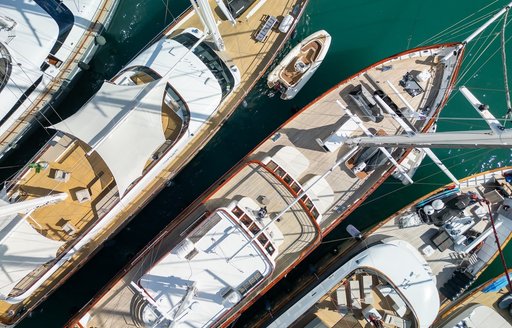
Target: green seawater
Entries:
(363, 32)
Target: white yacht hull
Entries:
(77, 49)
(277, 80)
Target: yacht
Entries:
(277, 204)
(444, 241)
(486, 306)
(105, 162)
(43, 46)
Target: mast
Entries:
(479, 30)
(486, 25)
(462, 139)
(31, 204)
(205, 13)
(497, 137)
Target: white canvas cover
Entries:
(292, 161)
(321, 193)
(167, 282)
(22, 249)
(412, 277)
(131, 116)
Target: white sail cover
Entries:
(22, 249)
(123, 123)
(292, 161)
(321, 193)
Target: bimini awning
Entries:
(412, 278)
(124, 125)
(22, 250)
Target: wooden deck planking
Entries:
(91, 174)
(301, 133)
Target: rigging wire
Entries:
(167, 11)
(444, 32)
(481, 51)
(30, 100)
(475, 59)
(504, 61)
(463, 31)
(479, 154)
(10, 166)
(39, 112)
(460, 82)
(481, 66)
(476, 47)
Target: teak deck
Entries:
(254, 179)
(442, 263)
(251, 57)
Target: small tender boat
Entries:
(298, 66)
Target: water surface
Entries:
(363, 32)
